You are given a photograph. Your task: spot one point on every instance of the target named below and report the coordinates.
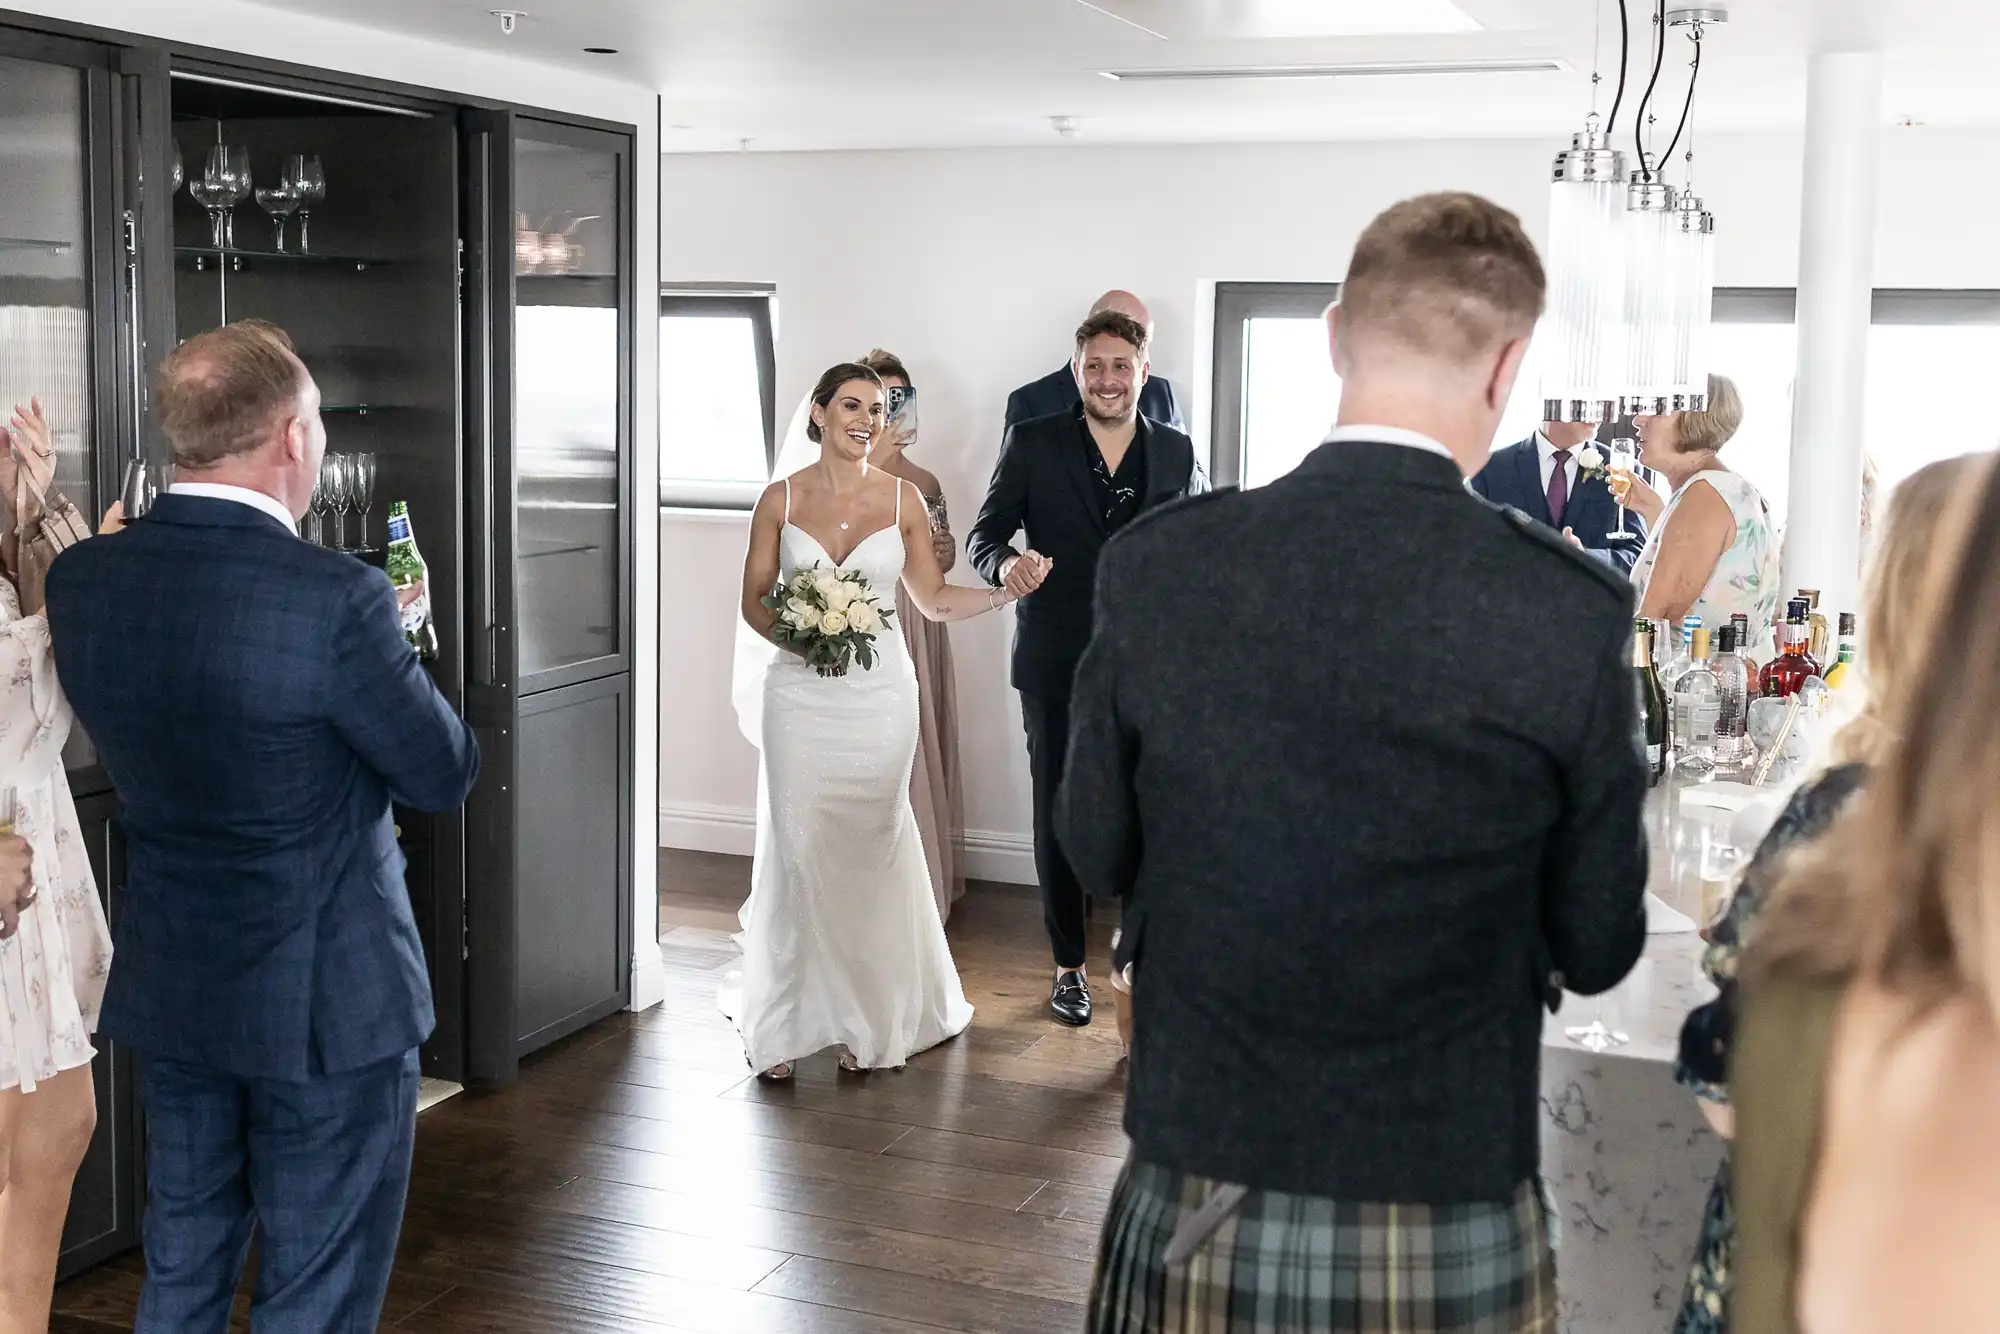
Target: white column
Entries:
(1836, 281)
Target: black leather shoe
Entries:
(1070, 1001)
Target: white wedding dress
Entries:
(842, 944)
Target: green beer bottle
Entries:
(406, 570)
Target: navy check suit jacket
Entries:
(257, 707)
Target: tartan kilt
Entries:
(1301, 1264)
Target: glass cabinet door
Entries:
(45, 301)
(571, 327)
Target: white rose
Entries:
(1590, 458)
(803, 618)
(824, 582)
(861, 614)
(800, 611)
(842, 595)
(833, 623)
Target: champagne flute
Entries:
(340, 495)
(364, 490)
(316, 507)
(1624, 462)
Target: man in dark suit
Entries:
(1057, 391)
(1071, 481)
(1543, 478)
(258, 707)
(1358, 749)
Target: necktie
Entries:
(1559, 488)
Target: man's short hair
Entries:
(1448, 276)
(1117, 325)
(220, 393)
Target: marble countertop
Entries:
(1648, 1006)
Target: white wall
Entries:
(975, 265)
(230, 25)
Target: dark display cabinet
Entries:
(466, 307)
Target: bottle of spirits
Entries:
(1671, 673)
(1653, 723)
(1752, 654)
(1784, 674)
(411, 577)
(1817, 639)
(1697, 705)
(1836, 675)
(1733, 747)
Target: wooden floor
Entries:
(637, 1180)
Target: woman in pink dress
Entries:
(934, 782)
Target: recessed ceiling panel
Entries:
(1224, 19)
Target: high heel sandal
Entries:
(849, 1063)
(777, 1074)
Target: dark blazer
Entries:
(1058, 393)
(1359, 834)
(1042, 483)
(257, 707)
(1513, 476)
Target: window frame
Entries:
(1237, 303)
(758, 302)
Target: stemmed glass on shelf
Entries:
(316, 509)
(364, 490)
(340, 493)
(303, 174)
(222, 185)
(280, 201)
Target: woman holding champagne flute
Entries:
(1710, 550)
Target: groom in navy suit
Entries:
(258, 708)
(1543, 478)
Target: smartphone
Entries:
(903, 410)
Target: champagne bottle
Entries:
(1652, 700)
(407, 571)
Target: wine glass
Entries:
(179, 169)
(280, 201)
(302, 171)
(241, 186)
(214, 190)
(316, 507)
(1624, 462)
(340, 495)
(364, 490)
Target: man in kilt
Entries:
(1358, 752)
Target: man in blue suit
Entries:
(1542, 478)
(258, 708)
(1056, 393)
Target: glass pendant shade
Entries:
(1653, 252)
(1694, 304)
(1582, 335)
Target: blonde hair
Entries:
(1904, 890)
(1450, 276)
(1905, 570)
(1711, 429)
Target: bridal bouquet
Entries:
(831, 616)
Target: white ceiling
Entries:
(811, 74)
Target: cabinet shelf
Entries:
(353, 409)
(35, 243)
(206, 258)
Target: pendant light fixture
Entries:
(1583, 331)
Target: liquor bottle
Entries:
(1836, 675)
(1671, 673)
(1784, 674)
(407, 571)
(1697, 704)
(1733, 747)
(1652, 701)
(1744, 648)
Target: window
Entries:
(718, 394)
(1276, 393)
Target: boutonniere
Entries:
(1590, 462)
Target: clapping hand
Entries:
(25, 443)
(17, 883)
(1025, 573)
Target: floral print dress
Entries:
(53, 970)
(1745, 579)
(1707, 1035)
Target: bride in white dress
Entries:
(842, 944)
